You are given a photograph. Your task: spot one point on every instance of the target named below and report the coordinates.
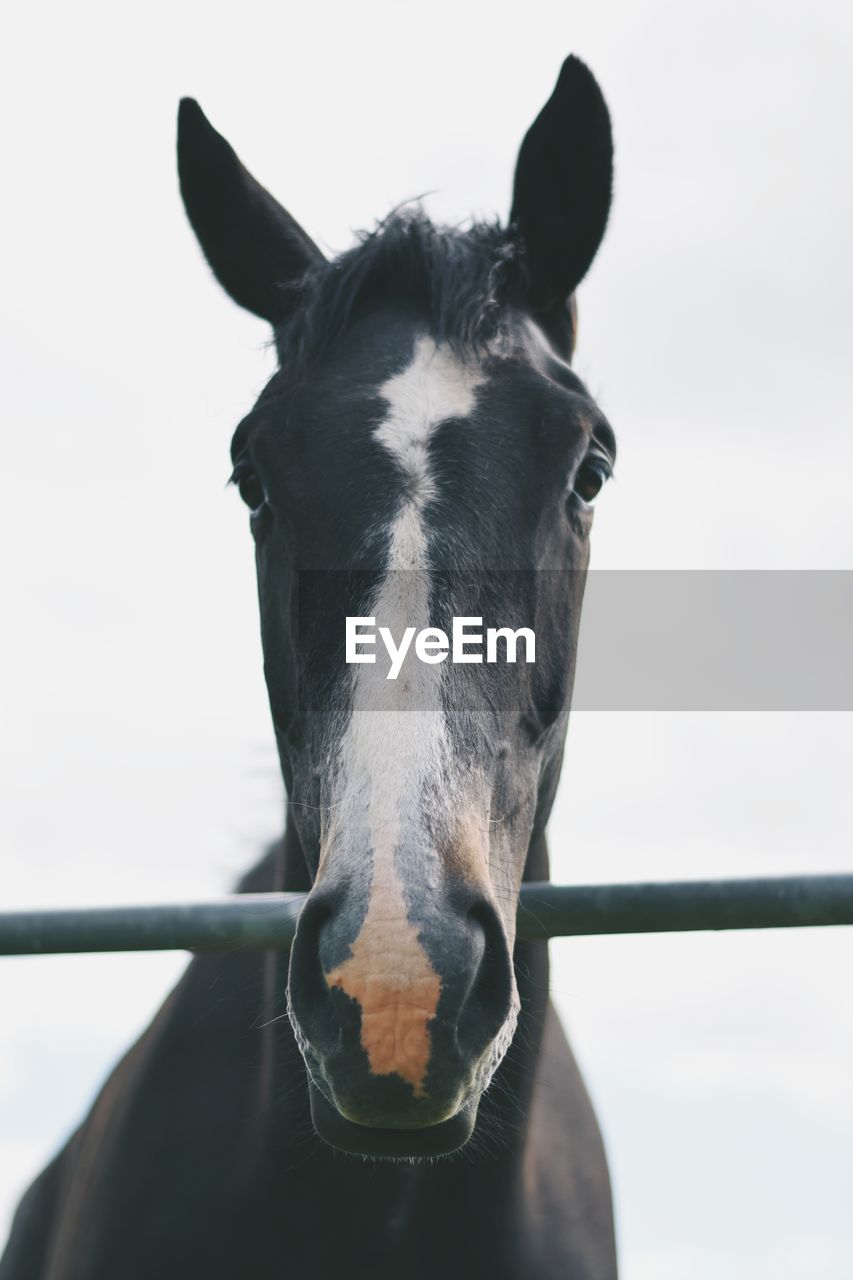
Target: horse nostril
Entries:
(487, 919)
(490, 999)
(307, 981)
(319, 908)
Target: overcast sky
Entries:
(137, 757)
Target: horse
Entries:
(395, 1096)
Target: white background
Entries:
(137, 758)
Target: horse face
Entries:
(423, 455)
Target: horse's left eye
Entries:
(250, 488)
(590, 479)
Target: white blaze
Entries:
(395, 752)
(397, 736)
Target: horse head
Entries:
(424, 454)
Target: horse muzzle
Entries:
(401, 1022)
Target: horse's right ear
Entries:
(254, 247)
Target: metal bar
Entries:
(261, 920)
(245, 921)
(680, 906)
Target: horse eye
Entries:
(251, 489)
(590, 479)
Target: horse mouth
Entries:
(390, 1144)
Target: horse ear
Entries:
(254, 247)
(562, 191)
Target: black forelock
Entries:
(461, 278)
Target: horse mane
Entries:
(461, 277)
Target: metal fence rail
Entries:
(262, 920)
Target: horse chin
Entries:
(424, 1143)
